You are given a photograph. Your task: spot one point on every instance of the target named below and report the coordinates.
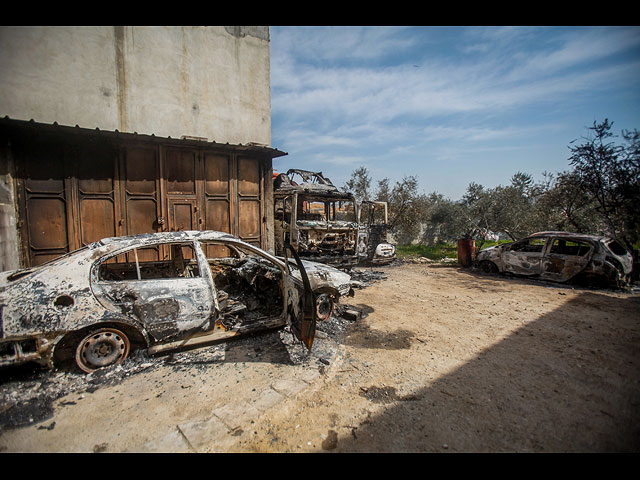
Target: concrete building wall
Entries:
(9, 251)
(211, 82)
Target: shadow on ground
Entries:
(564, 383)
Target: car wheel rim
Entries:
(102, 348)
(324, 307)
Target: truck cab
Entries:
(316, 218)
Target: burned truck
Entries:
(316, 218)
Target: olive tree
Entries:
(609, 175)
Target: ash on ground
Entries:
(362, 278)
(28, 392)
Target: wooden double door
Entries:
(70, 195)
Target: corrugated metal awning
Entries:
(54, 127)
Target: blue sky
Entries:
(450, 105)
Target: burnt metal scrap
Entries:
(156, 291)
(304, 180)
(561, 257)
(373, 243)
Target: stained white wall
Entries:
(211, 82)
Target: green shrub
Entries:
(437, 251)
(432, 252)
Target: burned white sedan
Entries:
(561, 257)
(158, 291)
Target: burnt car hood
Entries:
(321, 275)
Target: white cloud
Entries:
(338, 43)
(577, 47)
(335, 102)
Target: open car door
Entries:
(304, 326)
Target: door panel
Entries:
(97, 219)
(141, 195)
(565, 259)
(248, 176)
(181, 186)
(180, 172)
(217, 198)
(45, 205)
(249, 201)
(141, 215)
(141, 171)
(249, 220)
(96, 171)
(182, 215)
(216, 175)
(217, 215)
(169, 297)
(524, 257)
(301, 308)
(47, 223)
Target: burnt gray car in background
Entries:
(158, 291)
(561, 257)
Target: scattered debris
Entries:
(100, 448)
(379, 394)
(385, 394)
(49, 427)
(443, 260)
(349, 312)
(362, 278)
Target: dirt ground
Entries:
(444, 360)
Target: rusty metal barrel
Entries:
(466, 252)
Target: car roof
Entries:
(169, 236)
(580, 236)
(112, 244)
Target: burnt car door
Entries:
(302, 317)
(565, 258)
(525, 256)
(257, 291)
(169, 297)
